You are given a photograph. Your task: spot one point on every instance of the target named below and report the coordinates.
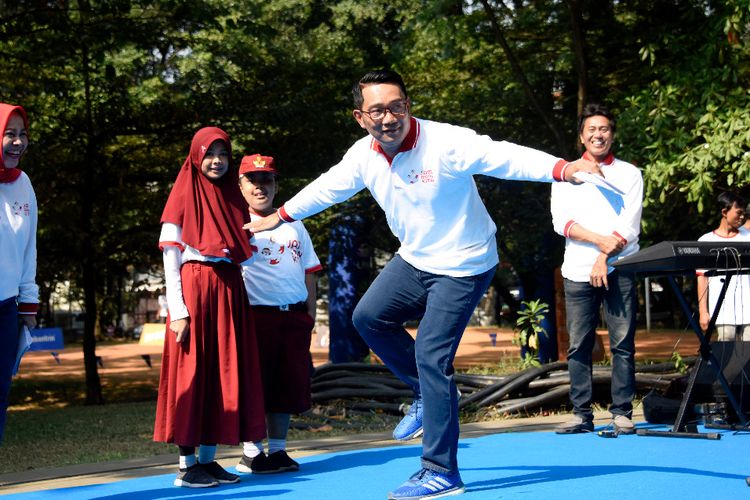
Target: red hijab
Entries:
(211, 214)
(8, 175)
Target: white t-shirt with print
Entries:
(277, 275)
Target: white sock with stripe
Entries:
(252, 449)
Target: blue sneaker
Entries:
(428, 483)
(410, 426)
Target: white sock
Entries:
(206, 454)
(275, 445)
(252, 449)
(187, 461)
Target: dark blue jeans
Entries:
(582, 303)
(8, 350)
(445, 304)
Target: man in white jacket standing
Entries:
(421, 174)
(599, 225)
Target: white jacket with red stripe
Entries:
(428, 192)
(601, 211)
(18, 222)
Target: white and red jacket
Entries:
(428, 194)
(735, 309)
(18, 221)
(276, 276)
(601, 211)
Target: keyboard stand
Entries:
(680, 427)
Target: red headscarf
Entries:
(211, 214)
(9, 174)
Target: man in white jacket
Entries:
(421, 174)
(599, 225)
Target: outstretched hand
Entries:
(581, 165)
(265, 224)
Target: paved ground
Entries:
(477, 348)
(126, 359)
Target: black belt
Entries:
(299, 306)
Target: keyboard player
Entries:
(733, 321)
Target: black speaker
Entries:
(734, 361)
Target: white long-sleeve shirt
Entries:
(175, 253)
(18, 221)
(601, 211)
(428, 194)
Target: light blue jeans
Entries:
(582, 302)
(445, 304)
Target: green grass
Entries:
(49, 425)
(42, 438)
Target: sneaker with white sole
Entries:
(428, 483)
(623, 425)
(195, 477)
(219, 473)
(576, 425)
(283, 462)
(410, 426)
(259, 464)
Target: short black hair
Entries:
(596, 109)
(728, 199)
(374, 77)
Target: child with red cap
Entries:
(281, 286)
(209, 371)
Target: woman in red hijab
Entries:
(19, 294)
(209, 370)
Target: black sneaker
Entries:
(217, 472)
(576, 425)
(259, 464)
(194, 477)
(283, 462)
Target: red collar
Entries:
(608, 160)
(409, 142)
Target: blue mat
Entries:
(510, 465)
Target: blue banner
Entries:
(46, 339)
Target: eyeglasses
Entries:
(397, 109)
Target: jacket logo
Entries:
(21, 208)
(424, 176)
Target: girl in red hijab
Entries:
(210, 368)
(19, 294)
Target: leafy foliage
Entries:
(528, 329)
(116, 88)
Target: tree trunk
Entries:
(579, 51)
(521, 77)
(88, 267)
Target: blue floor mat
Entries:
(537, 465)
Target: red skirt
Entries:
(210, 386)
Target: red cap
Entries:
(257, 163)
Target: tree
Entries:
(93, 98)
(689, 125)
